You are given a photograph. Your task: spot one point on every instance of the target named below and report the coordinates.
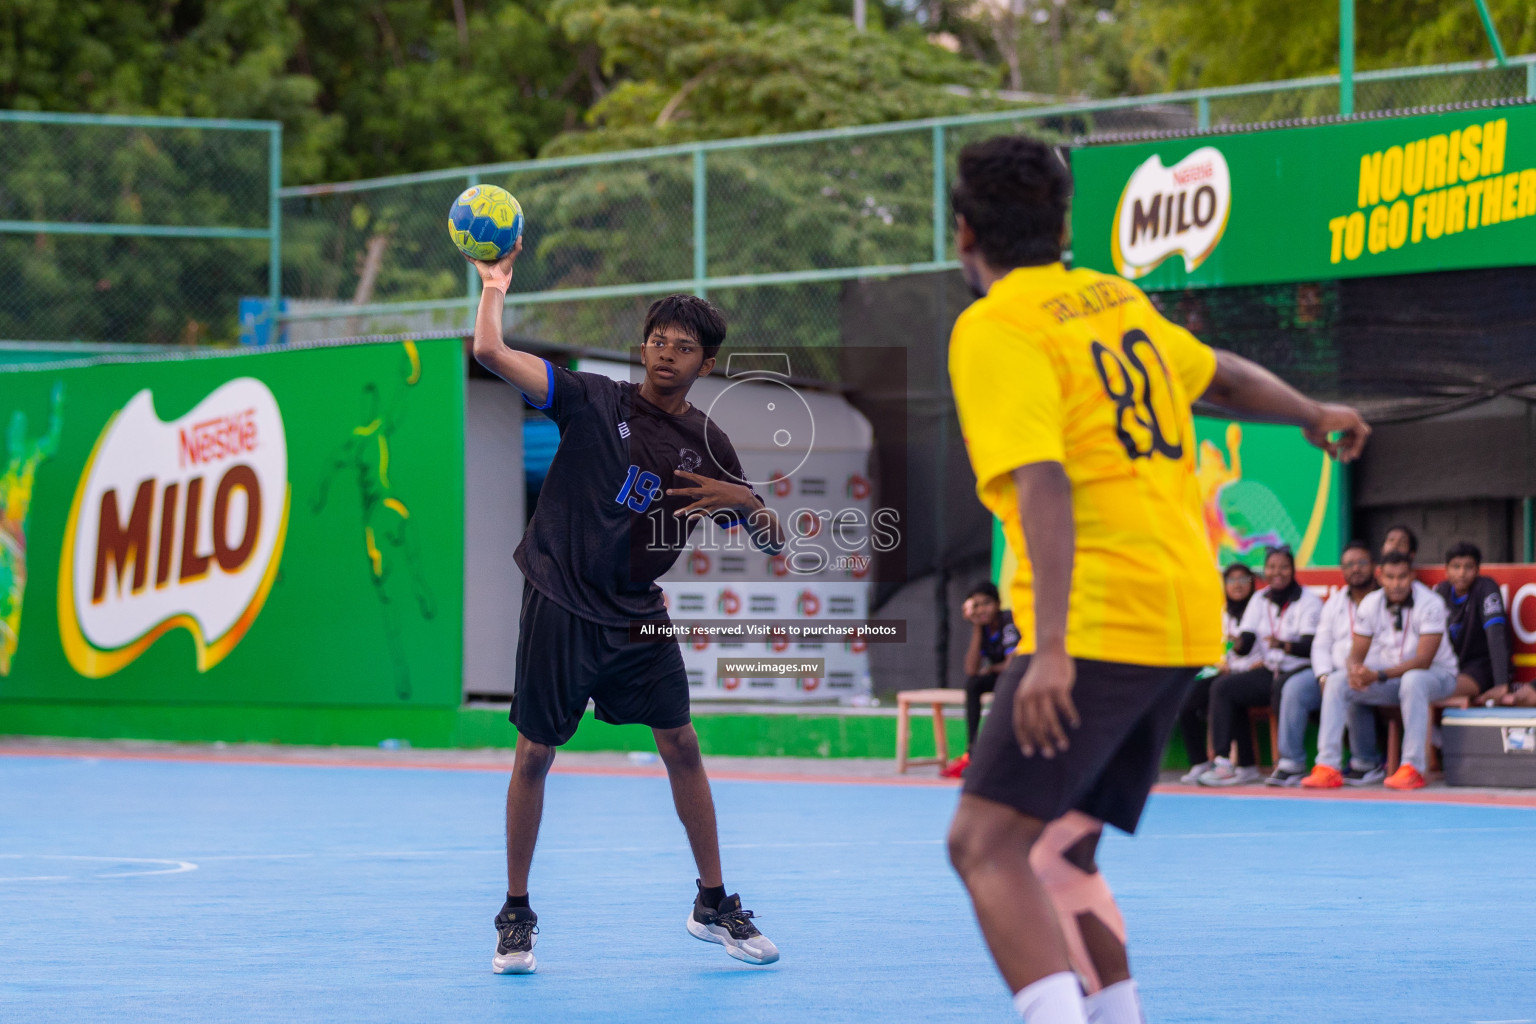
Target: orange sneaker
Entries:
(1323, 777)
(956, 768)
(1406, 777)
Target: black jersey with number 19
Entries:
(604, 528)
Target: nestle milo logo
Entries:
(1181, 209)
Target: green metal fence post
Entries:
(275, 225)
(700, 210)
(1346, 57)
(1530, 81)
(940, 200)
(1493, 33)
(1203, 112)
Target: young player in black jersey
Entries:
(1478, 626)
(636, 468)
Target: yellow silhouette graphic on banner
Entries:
(23, 457)
(388, 534)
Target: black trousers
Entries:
(975, 686)
(1230, 697)
(1194, 719)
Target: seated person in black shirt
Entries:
(1477, 624)
(993, 638)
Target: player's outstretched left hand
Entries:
(1348, 424)
(1042, 705)
(710, 495)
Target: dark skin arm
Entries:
(1042, 705)
(1361, 677)
(1250, 392)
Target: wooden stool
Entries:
(937, 700)
(1394, 715)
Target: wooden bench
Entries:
(937, 700)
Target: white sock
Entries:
(1054, 999)
(1118, 1004)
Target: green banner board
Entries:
(1260, 486)
(281, 528)
(1360, 199)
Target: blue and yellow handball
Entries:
(485, 222)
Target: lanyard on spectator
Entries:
(1402, 643)
(1273, 625)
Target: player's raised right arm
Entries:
(522, 370)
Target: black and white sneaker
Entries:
(517, 929)
(1283, 776)
(1364, 776)
(732, 927)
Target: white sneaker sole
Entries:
(515, 963)
(708, 933)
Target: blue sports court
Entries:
(168, 890)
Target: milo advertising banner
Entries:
(1261, 486)
(1361, 199)
(276, 528)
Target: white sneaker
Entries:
(731, 927)
(1192, 777)
(1226, 775)
(517, 931)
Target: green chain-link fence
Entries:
(134, 229)
(773, 229)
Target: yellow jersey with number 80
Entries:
(1078, 367)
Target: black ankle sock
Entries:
(712, 895)
(517, 902)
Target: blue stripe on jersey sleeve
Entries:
(1493, 621)
(549, 398)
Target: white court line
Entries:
(177, 867)
(1447, 830)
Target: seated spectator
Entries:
(1281, 623)
(1400, 538)
(993, 638)
(1478, 627)
(1194, 717)
(1302, 694)
(1401, 655)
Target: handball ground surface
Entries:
(181, 887)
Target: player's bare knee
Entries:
(679, 748)
(533, 760)
(981, 834)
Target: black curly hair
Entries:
(1013, 191)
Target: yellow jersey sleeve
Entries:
(1194, 362)
(1009, 396)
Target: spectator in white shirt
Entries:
(1302, 695)
(1194, 717)
(1402, 629)
(1279, 622)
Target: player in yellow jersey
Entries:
(1074, 397)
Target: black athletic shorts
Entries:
(1112, 758)
(1480, 669)
(563, 659)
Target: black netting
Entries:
(1402, 347)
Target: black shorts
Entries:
(1112, 759)
(1481, 670)
(563, 659)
